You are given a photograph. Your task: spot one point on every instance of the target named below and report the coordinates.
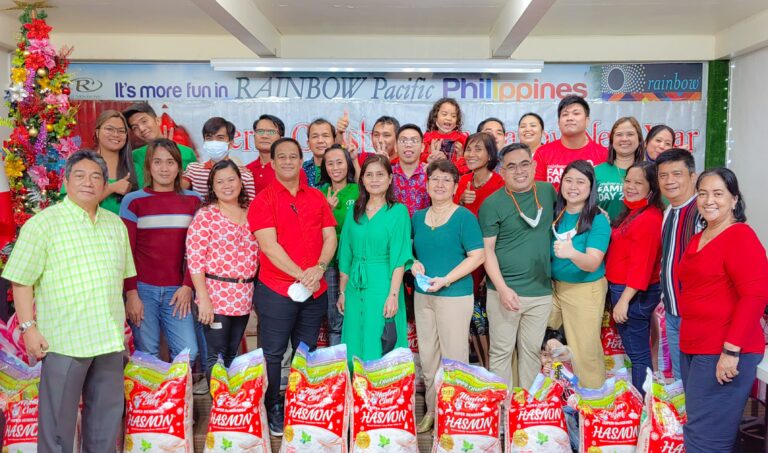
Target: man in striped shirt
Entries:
(218, 135)
(677, 180)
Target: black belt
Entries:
(230, 280)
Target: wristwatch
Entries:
(23, 327)
(730, 353)
(323, 267)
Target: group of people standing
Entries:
(483, 243)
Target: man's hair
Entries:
(319, 122)
(677, 155)
(275, 120)
(280, 141)
(410, 126)
(514, 147)
(139, 107)
(387, 120)
(491, 119)
(569, 101)
(86, 154)
(214, 124)
(173, 150)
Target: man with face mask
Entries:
(218, 135)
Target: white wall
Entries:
(749, 134)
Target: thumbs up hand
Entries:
(121, 186)
(343, 123)
(469, 196)
(564, 249)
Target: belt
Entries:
(230, 280)
(359, 271)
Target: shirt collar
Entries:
(79, 212)
(690, 200)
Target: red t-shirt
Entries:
(298, 222)
(724, 290)
(263, 174)
(634, 254)
(552, 158)
(456, 136)
(495, 183)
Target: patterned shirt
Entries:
(412, 192)
(77, 268)
(680, 225)
(197, 174)
(218, 246)
(313, 173)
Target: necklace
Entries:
(539, 209)
(438, 221)
(487, 178)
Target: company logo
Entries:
(86, 84)
(651, 82)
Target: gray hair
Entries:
(86, 154)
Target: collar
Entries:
(398, 169)
(690, 200)
(74, 209)
(279, 187)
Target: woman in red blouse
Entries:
(481, 156)
(221, 256)
(632, 265)
(724, 290)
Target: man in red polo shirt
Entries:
(574, 144)
(296, 232)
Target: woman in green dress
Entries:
(625, 148)
(374, 252)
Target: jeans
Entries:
(636, 331)
(673, 340)
(158, 314)
(714, 411)
(223, 338)
(335, 319)
(281, 320)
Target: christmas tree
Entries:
(40, 116)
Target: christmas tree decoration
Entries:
(40, 117)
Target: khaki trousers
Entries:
(578, 307)
(522, 331)
(442, 327)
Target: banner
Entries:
(673, 94)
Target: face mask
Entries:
(637, 204)
(216, 150)
(564, 236)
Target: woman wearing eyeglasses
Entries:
(111, 138)
(449, 246)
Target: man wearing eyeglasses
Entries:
(267, 129)
(409, 179)
(516, 221)
(145, 125)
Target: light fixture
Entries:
(499, 66)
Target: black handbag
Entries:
(388, 336)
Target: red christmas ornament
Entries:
(34, 62)
(38, 29)
(66, 90)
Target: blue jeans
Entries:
(335, 319)
(714, 410)
(673, 340)
(158, 314)
(636, 332)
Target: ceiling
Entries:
(407, 17)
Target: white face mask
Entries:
(566, 235)
(530, 221)
(216, 150)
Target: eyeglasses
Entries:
(270, 132)
(522, 166)
(437, 181)
(114, 131)
(409, 141)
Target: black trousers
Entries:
(281, 320)
(223, 338)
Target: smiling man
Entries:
(516, 221)
(409, 180)
(574, 144)
(67, 269)
(145, 125)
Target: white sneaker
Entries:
(200, 387)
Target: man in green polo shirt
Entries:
(145, 125)
(67, 270)
(516, 221)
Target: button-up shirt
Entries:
(412, 192)
(76, 267)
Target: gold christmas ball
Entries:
(73, 122)
(42, 72)
(49, 127)
(33, 131)
(27, 53)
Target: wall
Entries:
(748, 155)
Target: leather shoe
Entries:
(426, 424)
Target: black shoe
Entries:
(275, 420)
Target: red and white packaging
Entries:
(613, 350)
(661, 429)
(19, 400)
(238, 420)
(468, 413)
(536, 421)
(611, 423)
(383, 418)
(322, 338)
(413, 345)
(158, 399)
(317, 401)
